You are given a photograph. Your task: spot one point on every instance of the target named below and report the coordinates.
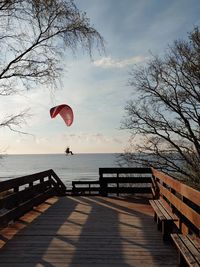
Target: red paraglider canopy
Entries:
(65, 112)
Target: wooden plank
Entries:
(191, 247)
(169, 215)
(184, 251)
(29, 179)
(131, 190)
(163, 210)
(16, 182)
(82, 189)
(74, 183)
(195, 243)
(188, 212)
(157, 209)
(183, 189)
(124, 170)
(127, 180)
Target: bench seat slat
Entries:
(196, 244)
(157, 210)
(187, 249)
(191, 246)
(169, 214)
(162, 208)
(162, 211)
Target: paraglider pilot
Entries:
(68, 151)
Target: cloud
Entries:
(108, 62)
(89, 137)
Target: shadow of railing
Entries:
(87, 231)
(115, 234)
(32, 245)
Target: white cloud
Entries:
(108, 62)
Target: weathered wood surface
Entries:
(189, 250)
(183, 189)
(182, 200)
(86, 231)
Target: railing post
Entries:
(16, 189)
(57, 183)
(117, 184)
(50, 183)
(103, 185)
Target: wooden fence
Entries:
(85, 187)
(21, 194)
(124, 180)
(116, 181)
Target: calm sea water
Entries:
(68, 168)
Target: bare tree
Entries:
(33, 36)
(165, 111)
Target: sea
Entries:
(69, 168)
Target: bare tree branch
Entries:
(33, 37)
(165, 111)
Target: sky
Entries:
(97, 88)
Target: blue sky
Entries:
(96, 88)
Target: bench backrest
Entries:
(183, 200)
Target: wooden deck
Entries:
(86, 231)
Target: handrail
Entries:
(26, 192)
(125, 170)
(183, 200)
(20, 181)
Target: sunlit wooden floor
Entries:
(86, 231)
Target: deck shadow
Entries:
(29, 245)
(89, 231)
(124, 233)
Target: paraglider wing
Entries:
(65, 112)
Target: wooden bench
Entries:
(164, 218)
(188, 249)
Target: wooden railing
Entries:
(181, 199)
(124, 180)
(21, 194)
(116, 181)
(85, 187)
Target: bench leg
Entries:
(182, 262)
(155, 217)
(159, 224)
(167, 229)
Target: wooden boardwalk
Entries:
(86, 231)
